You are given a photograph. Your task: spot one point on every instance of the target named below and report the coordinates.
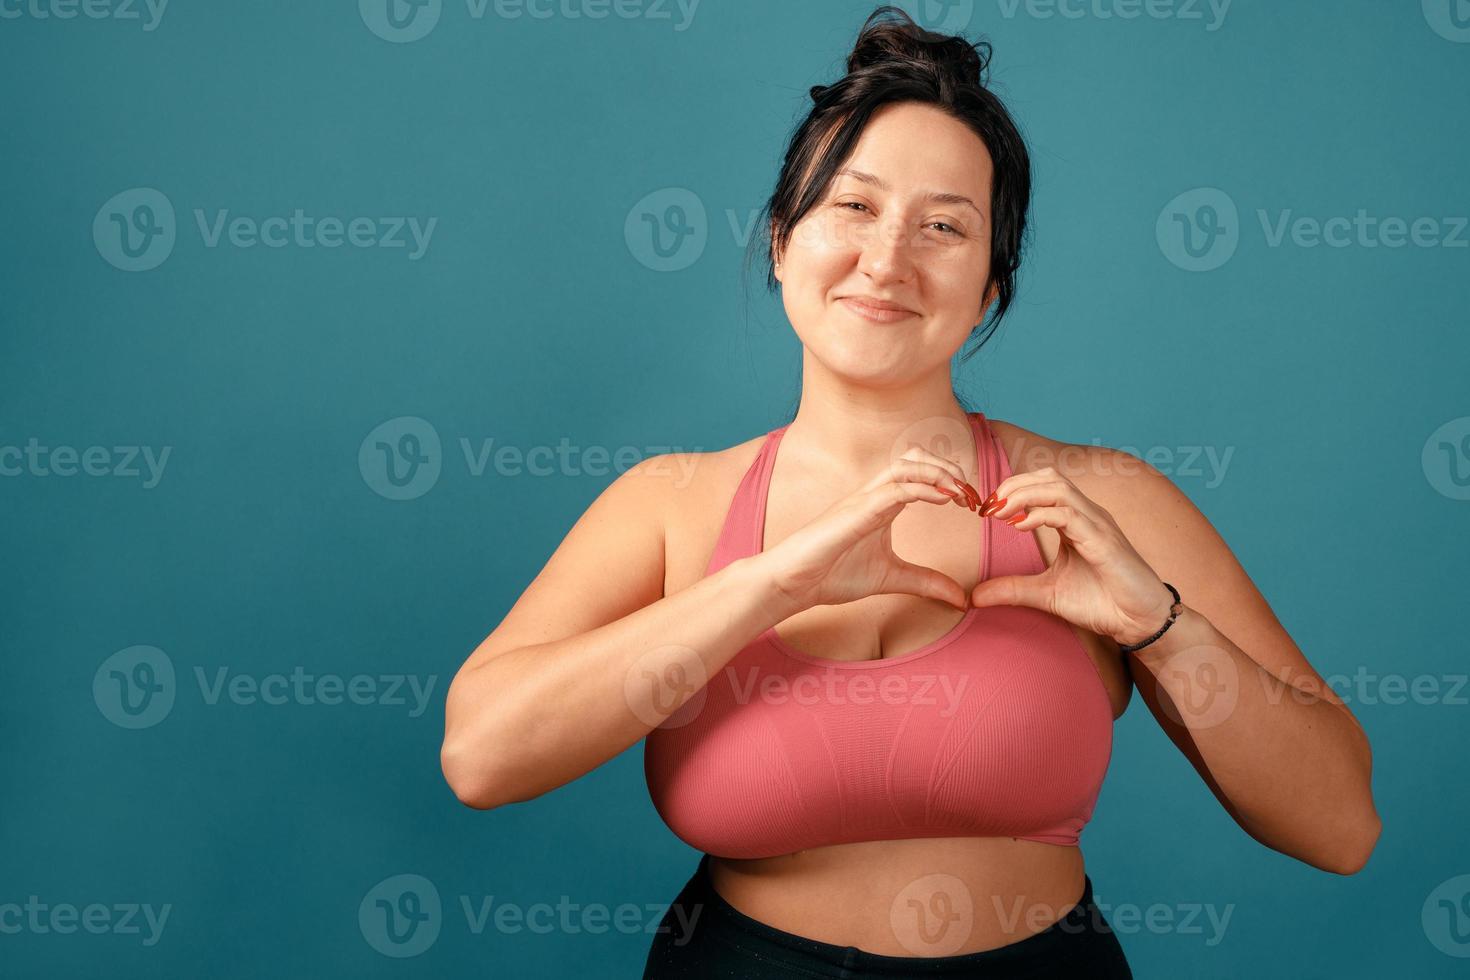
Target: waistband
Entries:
(1058, 941)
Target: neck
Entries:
(843, 428)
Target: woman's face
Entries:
(905, 222)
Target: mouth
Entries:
(876, 311)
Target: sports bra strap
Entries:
(745, 517)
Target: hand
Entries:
(1098, 581)
(846, 552)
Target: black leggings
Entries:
(703, 936)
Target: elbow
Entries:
(470, 769)
(1355, 859)
(473, 783)
(476, 764)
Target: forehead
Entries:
(916, 148)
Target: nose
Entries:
(885, 252)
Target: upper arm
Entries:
(1183, 547)
(610, 563)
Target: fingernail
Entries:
(974, 495)
(965, 495)
(993, 506)
(1017, 517)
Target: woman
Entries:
(887, 761)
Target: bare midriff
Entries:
(942, 896)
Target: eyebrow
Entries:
(940, 197)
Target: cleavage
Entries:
(872, 628)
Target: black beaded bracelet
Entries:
(1174, 611)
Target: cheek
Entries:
(813, 247)
(959, 281)
(812, 273)
(959, 286)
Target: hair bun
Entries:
(890, 35)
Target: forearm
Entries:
(534, 718)
(1293, 768)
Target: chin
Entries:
(870, 365)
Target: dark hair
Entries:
(896, 60)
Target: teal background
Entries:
(264, 547)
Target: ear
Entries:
(775, 254)
(990, 296)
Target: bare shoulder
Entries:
(684, 483)
(1115, 479)
(630, 547)
(1025, 450)
(696, 491)
(684, 489)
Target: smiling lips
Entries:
(876, 310)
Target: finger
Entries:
(967, 498)
(884, 503)
(1023, 485)
(896, 495)
(1046, 493)
(954, 469)
(915, 471)
(905, 470)
(913, 579)
(1014, 482)
(1081, 532)
(1010, 590)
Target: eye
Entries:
(950, 229)
(844, 204)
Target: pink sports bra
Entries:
(1002, 727)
